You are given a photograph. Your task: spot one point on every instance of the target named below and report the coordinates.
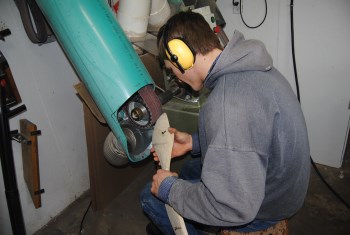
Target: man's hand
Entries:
(182, 144)
(158, 179)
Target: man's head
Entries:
(185, 35)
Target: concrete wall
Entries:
(45, 81)
(322, 57)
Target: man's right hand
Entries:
(182, 144)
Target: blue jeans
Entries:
(155, 208)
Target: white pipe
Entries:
(160, 13)
(133, 16)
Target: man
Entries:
(253, 145)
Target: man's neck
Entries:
(204, 62)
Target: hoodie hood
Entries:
(240, 55)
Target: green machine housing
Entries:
(110, 69)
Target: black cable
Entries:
(252, 27)
(329, 187)
(82, 221)
(298, 95)
(293, 49)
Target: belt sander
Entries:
(112, 72)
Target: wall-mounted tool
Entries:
(6, 152)
(28, 137)
(38, 31)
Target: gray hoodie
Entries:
(254, 143)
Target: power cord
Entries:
(293, 49)
(329, 187)
(298, 95)
(82, 221)
(240, 12)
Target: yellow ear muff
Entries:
(182, 51)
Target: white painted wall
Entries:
(321, 31)
(45, 78)
(45, 81)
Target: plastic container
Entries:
(133, 16)
(160, 13)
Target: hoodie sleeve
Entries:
(196, 151)
(230, 193)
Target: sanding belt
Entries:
(152, 103)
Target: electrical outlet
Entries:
(236, 6)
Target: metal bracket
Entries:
(41, 191)
(18, 137)
(4, 33)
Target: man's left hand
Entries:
(158, 179)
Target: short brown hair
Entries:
(193, 28)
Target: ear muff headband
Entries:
(178, 52)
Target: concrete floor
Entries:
(321, 214)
